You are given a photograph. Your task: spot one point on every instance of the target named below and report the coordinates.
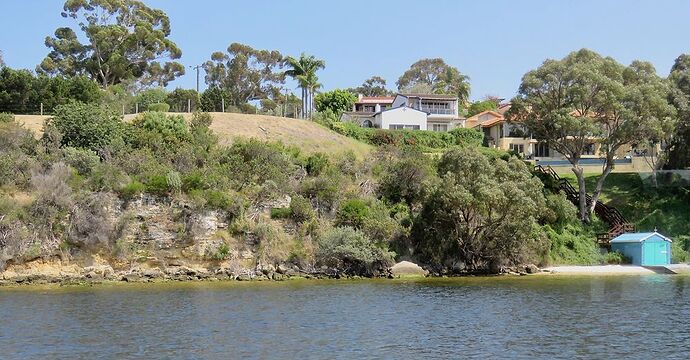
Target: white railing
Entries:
(437, 110)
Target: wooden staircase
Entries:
(608, 214)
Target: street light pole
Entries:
(197, 67)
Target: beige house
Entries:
(500, 134)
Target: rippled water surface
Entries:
(532, 317)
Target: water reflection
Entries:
(531, 317)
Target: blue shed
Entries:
(646, 249)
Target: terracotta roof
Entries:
(503, 108)
(432, 96)
(475, 117)
(492, 122)
(375, 100)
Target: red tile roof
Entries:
(375, 100)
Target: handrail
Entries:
(609, 214)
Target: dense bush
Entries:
(87, 126)
(158, 130)
(483, 214)
(6, 117)
(351, 251)
(336, 101)
(159, 107)
(149, 97)
(21, 92)
(82, 160)
(212, 99)
(180, 100)
(424, 139)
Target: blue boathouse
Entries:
(645, 249)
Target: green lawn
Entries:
(667, 209)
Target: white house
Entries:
(407, 111)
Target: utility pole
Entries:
(197, 67)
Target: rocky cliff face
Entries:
(153, 238)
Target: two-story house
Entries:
(365, 108)
(442, 110)
(407, 111)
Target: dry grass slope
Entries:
(306, 135)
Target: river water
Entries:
(549, 317)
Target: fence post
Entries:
(136, 108)
(189, 105)
(123, 109)
(41, 109)
(222, 104)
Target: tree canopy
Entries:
(585, 100)
(440, 77)
(336, 100)
(245, 73)
(679, 146)
(483, 213)
(304, 71)
(373, 86)
(125, 41)
(480, 106)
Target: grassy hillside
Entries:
(667, 209)
(306, 135)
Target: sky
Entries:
(493, 42)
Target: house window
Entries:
(542, 150)
(403, 127)
(517, 148)
(369, 108)
(439, 127)
(589, 149)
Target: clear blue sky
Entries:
(494, 42)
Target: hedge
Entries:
(428, 139)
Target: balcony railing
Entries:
(437, 110)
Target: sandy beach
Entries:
(615, 270)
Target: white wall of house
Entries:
(404, 116)
(399, 101)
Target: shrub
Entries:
(132, 190)
(6, 117)
(423, 139)
(316, 163)
(159, 107)
(679, 249)
(180, 99)
(220, 253)
(280, 213)
(254, 162)
(82, 160)
(350, 250)
(352, 213)
(616, 257)
(301, 209)
(172, 128)
(157, 185)
(87, 126)
(151, 96)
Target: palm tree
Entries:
(304, 71)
